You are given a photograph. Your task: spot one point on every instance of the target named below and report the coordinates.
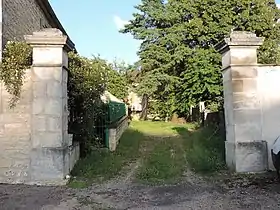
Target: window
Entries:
(43, 24)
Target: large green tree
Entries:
(118, 79)
(179, 65)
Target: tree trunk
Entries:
(144, 112)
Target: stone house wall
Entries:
(15, 134)
(25, 135)
(21, 17)
(18, 17)
(35, 147)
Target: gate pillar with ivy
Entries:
(53, 153)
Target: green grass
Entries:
(78, 184)
(202, 150)
(165, 164)
(102, 165)
(159, 128)
(205, 151)
(165, 150)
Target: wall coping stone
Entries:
(49, 37)
(239, 39)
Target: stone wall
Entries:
(268, 87)
(15, 134)
(35, 147)
(251, 103)
(116, 132)
(21, 17)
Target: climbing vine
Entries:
(17, 57)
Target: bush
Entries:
(86, 83)
(88, 79)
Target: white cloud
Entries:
(120, 23)
(278, 5)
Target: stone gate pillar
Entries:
(245, 149)
(50, 159)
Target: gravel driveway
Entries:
(192, 193)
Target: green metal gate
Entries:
(115, 112)
(112, 113)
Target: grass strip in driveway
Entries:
(164, 150)
(164, 164)
(160, 129)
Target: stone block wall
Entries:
(116, 132)
(15, 134)
(251, 104)
(21, 17)
(35, 147)
(269, 97)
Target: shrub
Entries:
(86, 83)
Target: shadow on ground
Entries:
(24, 197)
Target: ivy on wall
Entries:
(17, 57)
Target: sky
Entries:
(93, 26)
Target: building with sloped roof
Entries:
(23, 17)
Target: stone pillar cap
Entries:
(49, 36)
(240, 38)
